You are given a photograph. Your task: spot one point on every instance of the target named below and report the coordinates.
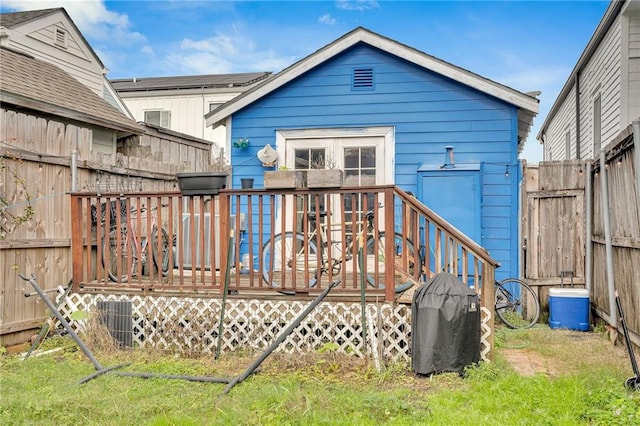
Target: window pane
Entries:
(317, 159)
(368, 177)
(309, 159)
(301, 159)
(351, 178)
(152, 117)
(165, 119)
(351, 158)
(368, 157)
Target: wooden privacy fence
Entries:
(564, 234)
(36, 174)
(621, 266)
(553, 225)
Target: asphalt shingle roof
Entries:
(10, 20)
(188, 82)
(24, 79)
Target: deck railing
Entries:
(269, 242)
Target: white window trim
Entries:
(161, 111)
(387, 132)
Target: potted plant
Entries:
(205, 182)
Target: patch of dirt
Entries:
(541, 350)
(529, 363)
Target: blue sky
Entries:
(527, 45)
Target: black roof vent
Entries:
(363, 79)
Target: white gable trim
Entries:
(60, 19)
(461, 75)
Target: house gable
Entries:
(62, 37)
(52, 36)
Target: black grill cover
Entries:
(445, 326)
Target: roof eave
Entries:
(47, 108)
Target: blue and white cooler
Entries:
(569, 308)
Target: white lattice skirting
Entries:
(185, 324)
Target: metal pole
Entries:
(588, 258)
(202, 379)
(224, 296)
(363, 296)
(63, 321)
(607, 237)
(74, 170)
(281, 337)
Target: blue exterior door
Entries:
(454, 195)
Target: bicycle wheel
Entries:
(161, 260)
(517, 305)
(120, 257)
(284, 260)
(405, 276)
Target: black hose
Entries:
(281, 337)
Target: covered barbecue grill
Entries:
(445, 326)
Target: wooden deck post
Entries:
(77, 242)
(225, 227)
(389, 253)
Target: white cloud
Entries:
(528, 79)
(358, 5)
(327, 19)
(91, 16)
(148, 50)
(224, 53)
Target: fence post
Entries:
(389, 253)
(76, 241)
(225, 226)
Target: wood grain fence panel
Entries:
(41, 150)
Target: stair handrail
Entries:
(462, 238)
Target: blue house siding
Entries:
(428, 112)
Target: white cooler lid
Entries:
(568, 292)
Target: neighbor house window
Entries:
(597, 126)
(567, 144)
(158, 118)
(213, 105)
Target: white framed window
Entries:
(160, 118)
(214, 105)
(567, 144)
(364, 154)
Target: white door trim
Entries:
(388, 132)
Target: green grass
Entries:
(327, 389)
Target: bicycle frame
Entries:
(322, 230)
(126, 244)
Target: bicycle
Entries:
(516, 303)
(289, 258)
(128, 256)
